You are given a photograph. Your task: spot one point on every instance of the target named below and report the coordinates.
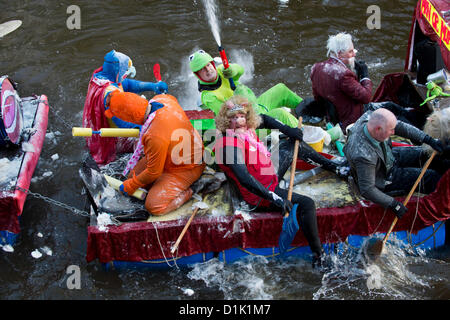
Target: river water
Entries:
(276, 41)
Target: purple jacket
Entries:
(334, 81)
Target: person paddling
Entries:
(382, 171)
(246, 161)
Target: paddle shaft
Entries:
(175, 246)
(293, 166)
(424, 169)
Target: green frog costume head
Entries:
(199, 60)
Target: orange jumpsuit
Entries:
(173, 159)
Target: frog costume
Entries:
(215, 93)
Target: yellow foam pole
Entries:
(118, 132)
(105, 132)
(115, 183)
(81, 132)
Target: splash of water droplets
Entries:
(211, 12)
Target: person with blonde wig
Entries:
(247, 162)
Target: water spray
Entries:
(211, 12)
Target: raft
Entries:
(227, 230)
(17, 165)
(228, 234)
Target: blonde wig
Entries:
(233, 106)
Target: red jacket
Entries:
(334, 81)
(258, 163)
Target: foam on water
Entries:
(245, 279)
(353, 274)
(346, 274)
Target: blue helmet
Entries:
(117, 66)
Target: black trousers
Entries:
(306, 211)
(407, 167)
(306, 217)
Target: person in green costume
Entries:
(215, 88)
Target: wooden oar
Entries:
(375, 249)
(180, 237)
(293, 166)
(290, 225)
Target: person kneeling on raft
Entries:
(246, 161)
(168, 157)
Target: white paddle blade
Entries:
(8, 27)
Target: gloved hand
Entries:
(436, 144)
(284, 204)
(294, 133)
(122, 190)
(161, 87)
(361, 69)
(398, 208)
(129, 186)
(343, 171)
(229, 73)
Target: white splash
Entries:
(201, 205)
(47, 174)
(27, 147)
(243, 279)
(47, 251)
(375, 276)
(188, 292)
(103, 221)
(36, 254)
(8, 248)
(9, 169)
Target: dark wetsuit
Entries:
(306, 212)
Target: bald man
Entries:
(381, 171)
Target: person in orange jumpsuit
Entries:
(171, 148)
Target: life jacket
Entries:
(257, 161)
(223, 92)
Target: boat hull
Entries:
(21, 163)
(258, 233)
(431, 237)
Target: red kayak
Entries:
(22, 133)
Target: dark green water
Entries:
(276, 41)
